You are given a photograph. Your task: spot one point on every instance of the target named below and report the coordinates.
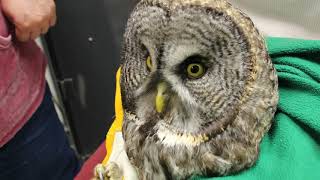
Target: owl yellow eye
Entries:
(195, 70)
(149, 63)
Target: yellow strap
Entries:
(117, 123)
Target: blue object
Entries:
(40, 150)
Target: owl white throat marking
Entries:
(169, 137)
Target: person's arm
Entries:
(31, 18)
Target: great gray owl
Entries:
(199, 90)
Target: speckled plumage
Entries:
(213, 125)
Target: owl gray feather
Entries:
(211, 125)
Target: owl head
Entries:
(196, 74)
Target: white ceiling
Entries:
(284, 18)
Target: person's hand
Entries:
(31, 18)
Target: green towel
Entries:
(291, 149)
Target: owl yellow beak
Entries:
(161, 98)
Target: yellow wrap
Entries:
(117, 123)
